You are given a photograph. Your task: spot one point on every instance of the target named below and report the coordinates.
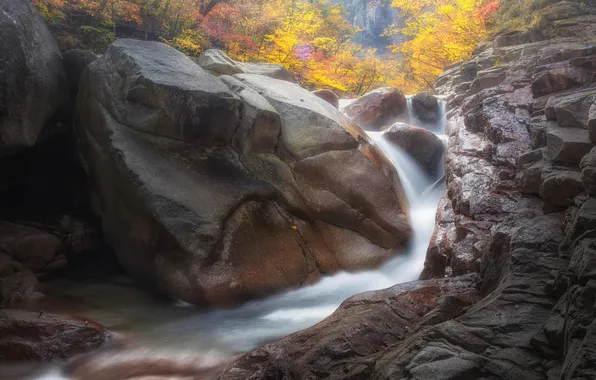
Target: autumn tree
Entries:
(440, 33)
(312, 38)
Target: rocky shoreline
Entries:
(518, 212)
(509, 285)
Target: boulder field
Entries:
(219, 190)
(212, 189)
(509, 285)
(275, 189)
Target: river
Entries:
(124, 307)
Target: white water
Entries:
(265, 320)
(181, 327)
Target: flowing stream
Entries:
(122, 306)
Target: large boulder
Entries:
(424, 146)
(33, 80)
(217, 62)
(425, 107)
(32, 336)
(377, 109)
(221, 190)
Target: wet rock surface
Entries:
(29, 336)
(508, 289)
(425, 107)
(378, 109)
(424, 146)
(364, 328)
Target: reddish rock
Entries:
(29, 336)
(568, 145)
(571, 109)
(122, 364)
(378, 108)
(328, 96)
(344, 345)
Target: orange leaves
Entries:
(488, 10)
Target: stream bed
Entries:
(150, 319)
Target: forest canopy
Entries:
(312, 38)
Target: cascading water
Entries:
(122, 307)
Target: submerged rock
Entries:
(425, 107)
(217, 191)
(29, 336)
(33, 81)
(378, 108)
(142, 364)
(422, 145)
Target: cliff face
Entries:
(513, 257)
(373, 17)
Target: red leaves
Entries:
(488, 9)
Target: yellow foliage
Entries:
(50, 10)
(440, 32)
(312, 38)
(190, 42)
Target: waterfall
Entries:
(262, 321)
(180, 327)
